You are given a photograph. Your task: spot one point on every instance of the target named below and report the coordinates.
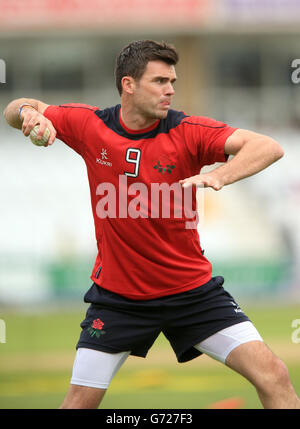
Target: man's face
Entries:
(154, 91)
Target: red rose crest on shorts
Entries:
(96, 328)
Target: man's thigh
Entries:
(82, 397)
(92, 373)
(94, 368)
(220, 345)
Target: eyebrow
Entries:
(164, 78)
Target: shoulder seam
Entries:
(77, 107)
(202, 125)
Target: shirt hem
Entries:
(147, 296)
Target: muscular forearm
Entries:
(31, 115)
(11, 113)
(253, 157)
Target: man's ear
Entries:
(128, 84)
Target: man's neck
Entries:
(134, 120)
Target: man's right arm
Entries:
(31, 115)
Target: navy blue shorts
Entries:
(115, 324)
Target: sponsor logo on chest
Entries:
(104, 160)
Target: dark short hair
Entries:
(133, 59)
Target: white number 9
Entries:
(135, 161)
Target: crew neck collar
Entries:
(141, 131)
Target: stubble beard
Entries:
(153, 113)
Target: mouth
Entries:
(165, 104)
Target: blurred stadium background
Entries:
(236, 66)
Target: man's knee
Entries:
(256, 362)
(276, 375)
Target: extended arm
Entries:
(252, 152)
(31, 115)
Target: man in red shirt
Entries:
(144, 165)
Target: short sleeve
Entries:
(70, 122)
(206, 139)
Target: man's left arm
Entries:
(252, 152)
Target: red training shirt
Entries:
(145, 250)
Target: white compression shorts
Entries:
(94, 368)
(219, 345)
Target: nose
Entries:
(170, 89)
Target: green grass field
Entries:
(37, 358)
